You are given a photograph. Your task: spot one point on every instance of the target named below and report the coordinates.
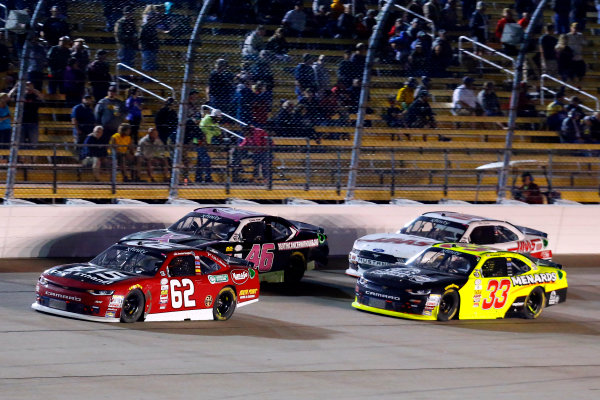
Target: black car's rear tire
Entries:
(224, 304)
(448, 307)
(294, 272)
(534, 303)
(133, 306)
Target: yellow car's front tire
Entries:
(448, 307)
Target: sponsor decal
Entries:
(239, 276)
(321, 237)
(167, 237)
(208, 301)
(164, 287)
(477, 298)
(218, 278)
(163, 301)
(95, 274)
(238, 247)
(164, 293)
(427, 312)
(252, 273)
(110, 314)
(524, 280)
(381, 295)
(299, 244)
(554, 298)
(164, 281)
(433, 300)
(183, 253)
(476, 273)
(116, 301)
(478, 288)
(527, 246)
(409, 242)
(216, 259)
(136, 250)
(229, 248)
(518, 304)
(247, 294)
(411, 274)
(136, 286)
(477, 282)
(368, 261)
(210, 216)
(378, 250)
(63, 296)
(162, 273)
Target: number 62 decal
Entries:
(181, 297)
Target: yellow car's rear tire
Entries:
(534, 303)
(448, 307)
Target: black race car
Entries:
(282, 250)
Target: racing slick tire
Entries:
(133, 306)
(534, 303)
(448, 307)
(294, 271)
(224, 305)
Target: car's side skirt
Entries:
(193, 315)
(49, 310)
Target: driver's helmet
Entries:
(459, 264)
(223, 231)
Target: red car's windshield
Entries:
(135, 260)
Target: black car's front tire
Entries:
(294, 272)
(534, 303)
(133, 306)
(448, 307)
(224, 305)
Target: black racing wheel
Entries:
(294, 271)
(133, 306)
(534, 303)
(448, 307)
(224, 305)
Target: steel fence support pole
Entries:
(512, 114)
(18, 118)
(364, 98)
(183, 104)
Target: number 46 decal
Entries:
(262, 256)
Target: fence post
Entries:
(113, 172)
(307, 167)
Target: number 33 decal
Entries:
(498, 294)
(180, 297)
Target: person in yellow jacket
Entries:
(210, 125)
(406, 94)
(124, 149)
(337, 8)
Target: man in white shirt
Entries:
(464, 99)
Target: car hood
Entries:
(88, 274)
(404, 277)
(167, 236)
(396, 244)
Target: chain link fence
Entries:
(272, 110)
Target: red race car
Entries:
(149, 281)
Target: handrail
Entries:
(543, 88)
(477, 44)
(120, 78)
(485, 60)
(432, 34)
(3, 20)
(225, 114)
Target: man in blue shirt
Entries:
(83, 119)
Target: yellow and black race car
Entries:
(457, 280)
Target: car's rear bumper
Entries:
(49, 310)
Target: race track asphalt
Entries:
(310, 344)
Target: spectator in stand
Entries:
(442, 56)
(433, 11)
(125, 150)
(507, 18)
(263, 100)
(398, 27)
(109, 113)
(30, 122)
(478, 24)
(592, 128)
(278, 46)
(192, 137)
(74, 83)
(55, 27)
(406, 94)
(418, 61)
(321, 75)
(309, 101)
(93, 155)
(524, 21)
(337, 8)
(254, 43)
(194, 106)
(304, 123)
(529, 192)
(133, 107)
(83, 119)
(283, 123)
(490, 104)
(425, 85)
(449, 17)
(151, 151)
(5, 126)
(112, 13)
(576, 42)
(304, 75)
(464, 100)
(80, 53)
(99, 75)
(561, 10)
(468, 7)
(354, 95)
(547, 44)
(564, 59)
(166, 120)
(261, 70)
(257, 142)
(323, 25)
(149, 42)
(414, 29)
(244, 99)
(358, 60)
(58, 59)
(294, 21)
(210, 126)
(425, 41)
(572, 129)
(525, 106)
(556, 112)
(221, 89)
(203, 160)
(575, 104)
(419, 114)
(346, 23)
(16, 24)
(126, 35)
(415, 6)
(38, 62)
(370, 21)
(578, 12)
(346, 69)
(330, 106)
(393, 115)
(317, 4)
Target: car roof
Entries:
(229, 213)
(477, 250)
(457, 217)
(150, 245)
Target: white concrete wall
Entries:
(83, 231)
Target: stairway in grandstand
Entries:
(390, 166)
